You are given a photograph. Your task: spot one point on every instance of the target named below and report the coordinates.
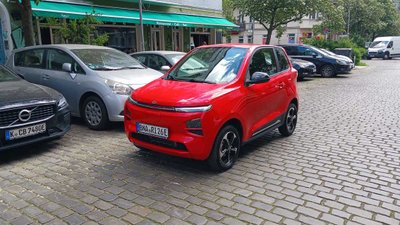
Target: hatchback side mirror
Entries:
(165, 68)
(67, 67)
(259, 77)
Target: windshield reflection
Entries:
(210, 65)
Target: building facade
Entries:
(251, 31)
(168, 24)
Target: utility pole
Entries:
(141, 25)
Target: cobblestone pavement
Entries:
(342, 166)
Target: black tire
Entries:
(300, 76)
(290, 121)
(94, 113)
(328, 71)
(368, 58)
(387, 56)
(228, 139)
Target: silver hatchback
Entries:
(96, 81)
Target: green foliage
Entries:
(227, 11)
(277, 13)
(358, 51)
(364, 19)
(81, 31)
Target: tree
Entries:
(80, 31)
(26, 20)
(273, 14)
(227, 11)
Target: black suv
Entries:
(327, 65)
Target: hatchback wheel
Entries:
(290, 122)
(94, 113)
(328, 71)
(225, 150)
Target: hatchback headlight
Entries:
(62, 103)
(119, 88)
(340, 62)
(193, 109)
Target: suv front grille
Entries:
(10, 117)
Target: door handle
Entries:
(45, 77)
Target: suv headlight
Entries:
(119, 88)
(62, 103)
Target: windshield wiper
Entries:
(131, 67)
(198, 68)
(198, 81)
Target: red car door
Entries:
(264, 100)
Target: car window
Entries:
(282, 60)
(291, 50)
(56, 58)
(264, 61)
(306, 51)
(156, 62)
(141, 59)
(106, 59)
(209, 65)
(390, 45)
(31, 58)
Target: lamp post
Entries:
(141, 25)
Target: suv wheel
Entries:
(290, 122)
(328, 71)
(94, 112)
(225, 150)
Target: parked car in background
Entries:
(327, 65)
(158, 60)
(345, 58)
(213, 101)
(384, 47)
(29, 113)
(304, 68)
(96, 81)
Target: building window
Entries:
(121, 38)
(240, 39)
(291, 38)
(250, 39)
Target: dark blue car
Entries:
(327, 65)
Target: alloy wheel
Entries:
(93, 113)
(228, 149)
(291, 120)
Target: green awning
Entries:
(118, 15)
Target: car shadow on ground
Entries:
(25, 152)
(113, 126)
(152, 159)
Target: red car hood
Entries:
(179, 93)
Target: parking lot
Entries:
(341, 166)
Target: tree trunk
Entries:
(27, 23)
(270, 30)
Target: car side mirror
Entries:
(67, 67)
(165, 68)
(259, 77)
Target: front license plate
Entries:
(25, 131)
(152, 130)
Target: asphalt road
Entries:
(342, 166)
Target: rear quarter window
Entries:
(30, 58)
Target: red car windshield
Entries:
(209, 65)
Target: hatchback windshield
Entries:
(378, 44)
(6, 75)
(107, 59)
(209, 65)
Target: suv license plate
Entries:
(25, 131)
(152, 130)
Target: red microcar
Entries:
(213, 101)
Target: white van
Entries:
(384, 47)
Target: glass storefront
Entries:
(121, 38)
